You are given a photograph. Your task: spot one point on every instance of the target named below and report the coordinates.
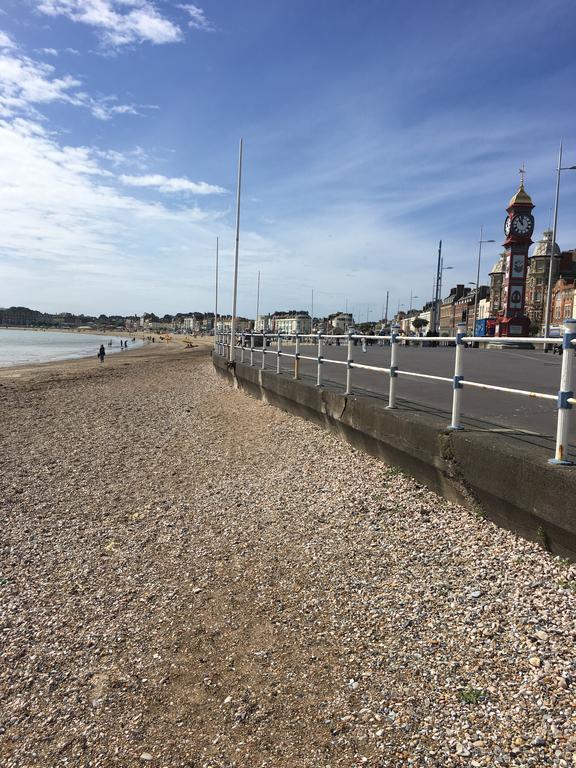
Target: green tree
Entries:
(419, 322)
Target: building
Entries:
(242, 324)
(263, 323)
(484, 308)
(340, 322)
(464, 308)
(448, 316)
(563, 299)
(291, 322)
(497, 285)
(537, 278)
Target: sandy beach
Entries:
(193, 579)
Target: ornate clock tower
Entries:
(518, 228)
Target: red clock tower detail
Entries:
(518, 228)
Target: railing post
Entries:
(565, 393)
(319, 377)
(297, 357)
(263, 350)
(242, 340)
(393, 366)
(252, 348)
(458, 377)
(349, 362)
(278, 352)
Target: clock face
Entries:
(522, 225)
(507, 224)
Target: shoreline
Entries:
(71, 367)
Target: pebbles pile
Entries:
(193, 579)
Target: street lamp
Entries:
(549, 291)
(480, 242)
(438, 299)
(412, 297)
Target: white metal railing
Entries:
(564, 399)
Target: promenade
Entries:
(529, 419)
(192, 578)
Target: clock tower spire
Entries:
(518, 228)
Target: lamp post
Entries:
(438, 289)
(438, 299)
(235, 285)
(412, 296)
(550, 268)
(216, 301)
(480, 243)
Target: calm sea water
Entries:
(21, 347)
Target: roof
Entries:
(544, 245)
(500, 264)
(520, 198)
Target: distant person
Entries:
(101, 353)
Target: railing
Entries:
(564, 399)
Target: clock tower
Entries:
(518, 228)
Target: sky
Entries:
(371, 131)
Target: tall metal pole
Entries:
(312, 312)
(235, 288)
(438, 288)
(551, 266)
(216, 298)
(477, 280)
(386, 311)
(258, 302)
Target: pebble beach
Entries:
(191, 578)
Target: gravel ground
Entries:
(191, 578)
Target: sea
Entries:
(19, 347)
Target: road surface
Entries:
(524, 417)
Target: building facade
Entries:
(291, 323)
(537, 278)
(448, 315)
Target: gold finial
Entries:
(522, 171)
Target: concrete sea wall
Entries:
(506, 480)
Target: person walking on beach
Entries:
(101, 353)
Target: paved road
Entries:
(526, 418)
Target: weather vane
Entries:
(522, 171)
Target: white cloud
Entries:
(26, 83)
(49, 51)
(6, 41)
(120, 22)
(198, 18)
(172, 185)
(71, 239)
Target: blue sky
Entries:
(372, 129)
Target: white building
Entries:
(242, 324)
(291, 324)
(263, 323)
(341, 321)
(192, 324)
(483, 309)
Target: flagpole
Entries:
(216, 299)
(257, 301)
(235, 288)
